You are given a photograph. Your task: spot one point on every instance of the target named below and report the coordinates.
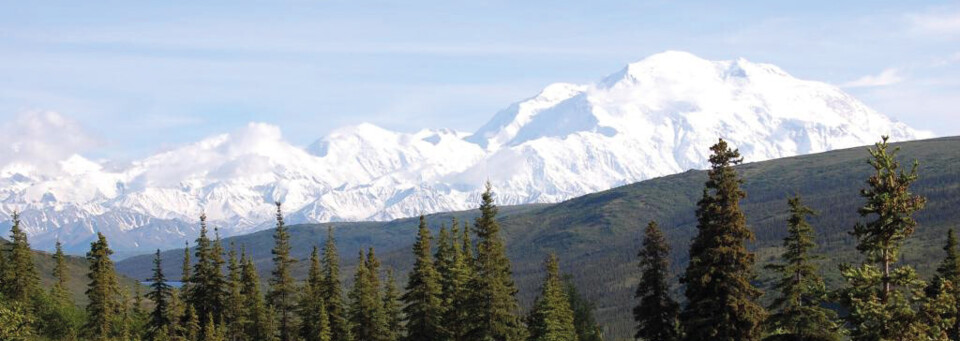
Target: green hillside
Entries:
(597, 235)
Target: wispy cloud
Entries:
(887, 77)
(938, 23)
(41, 139)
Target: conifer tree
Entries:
(423, 308)
(103, 292)
(798, 311)
(583, 320)
(207, 290)
(455, 272)
(211, 331)
(314, 322)
(185, 271)
(656, 314)
(493, 303)
(60, 274)
(393, 309)
(333, 292)
(258, 321)
(160, 295)
(283, 289)
(234, 314)
(552, 317)
(192, 328)
(949, 272)
(366, 307)
(721, 301)
(883, 299)
(176, 313)
(24, 280)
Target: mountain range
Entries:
(655, 117)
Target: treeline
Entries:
(459, 289)
(882, 299)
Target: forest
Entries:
(461, 284)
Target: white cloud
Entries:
(887, 77)
(940, 23)
(41, 140)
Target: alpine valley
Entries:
(653, 118)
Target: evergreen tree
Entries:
(160, 295)
(656, 314)
(583, 320)
(176, 314)
(185, 271)
(949, 272)
(314, 322)
(423, 308)
(454, 266)
(493, 303)
(552, 317)
(333, 292)
(366, 307)
(211, 331)
(721, 301)
(393, 309)
(799, 314)
(258, 320)
(234, 316)
(282, 294)
(207, 290)
(24, 280)
(883, 299)
(60, 274)
(192, 327)
(103, 292)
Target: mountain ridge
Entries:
(652, 118)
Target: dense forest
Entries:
(462, 285)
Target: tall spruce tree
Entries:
(949, 272)
(333, 292)
(366, 307)
(423, 308)
(552, 317)
(207, 290)
(60, 274)
(493, 303)
(393, 309)
(883, 299)
(160, 295)
(234, 313)
(24, 281)
(185, 271)
(721, 302)
(583, 320)
(283, 289)
(314, 322)
(453, 264)
(656, 314)
(798, 311)
(104, 305)
(258, 321)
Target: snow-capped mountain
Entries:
(655, 117)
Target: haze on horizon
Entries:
(129, 80)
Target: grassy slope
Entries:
(597, 235)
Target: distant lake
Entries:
(175, 284)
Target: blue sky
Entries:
(145, 76)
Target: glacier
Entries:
(654, 117)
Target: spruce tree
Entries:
(366, 307)
(283, 289)
(552, 317)
(234, 314)
(185, 271)
(583, 320)
(103, 293)
(160, 295)
(721, 302)
(949, 272)
(883, 299)
(207, 290)
(192, 328)
(258, 322)
(455, 272)
(656, 314)
(798, 311)
(393, 309)
(493, 303)
(333, 292)
(24, 280)
(60, 274)
(423, 308)
(314, 322)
